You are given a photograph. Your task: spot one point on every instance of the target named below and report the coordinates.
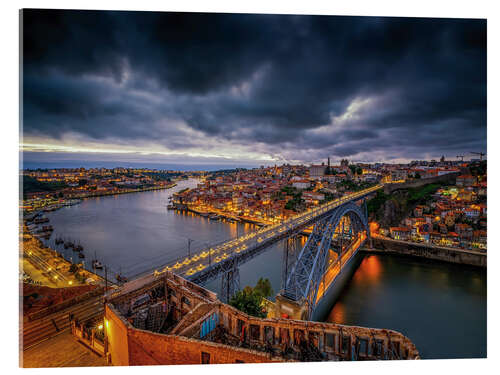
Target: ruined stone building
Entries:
(164, 319)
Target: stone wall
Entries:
(389, 188)
(333, 341)
(459, 256)
(148, 348)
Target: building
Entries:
(400, 233)
(163, 319)
(465, 180)
(317, 171)
(301, 184)
(399, 174)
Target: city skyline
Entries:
(249, 90)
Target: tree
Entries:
(417, 175)
(249, 300)
(359, 171)
(264, 288)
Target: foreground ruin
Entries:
(164, 319)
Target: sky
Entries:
(208, 91)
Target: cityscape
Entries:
(225, 198)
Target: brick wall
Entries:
(148, 348)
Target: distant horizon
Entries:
(174, 167)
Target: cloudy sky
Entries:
(227, 89)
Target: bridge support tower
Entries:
(230, 283)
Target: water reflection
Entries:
(369, 270)
(337, 314)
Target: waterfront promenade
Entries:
(46, 267)
(380, 244)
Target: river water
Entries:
(441, 307)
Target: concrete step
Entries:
(42, 335)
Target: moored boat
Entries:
(95, 263)
(121, 278)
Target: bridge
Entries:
(340, 228)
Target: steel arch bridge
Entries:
(223, 259)
(307, 274)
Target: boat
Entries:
(81, 255)
(170, 207)
(95, 263)
(59, 241)
(121, 278)
(42, 220)
(214, 217)
(78, 247)
(204, 214)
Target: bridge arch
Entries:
(302, 283)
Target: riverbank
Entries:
(45, 266)
(445, 254)
(69, 200)
(226, 216)
(128, 191)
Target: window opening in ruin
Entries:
(254, 332)
(269, 334)
(329, 340)
(205, 358)
(346, 342)
(284, 336)
(363, 347)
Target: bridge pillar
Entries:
(287, 308)
(230, 283)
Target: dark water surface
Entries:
(441, 307)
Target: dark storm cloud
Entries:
(299, 87)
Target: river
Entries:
(441, 307)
